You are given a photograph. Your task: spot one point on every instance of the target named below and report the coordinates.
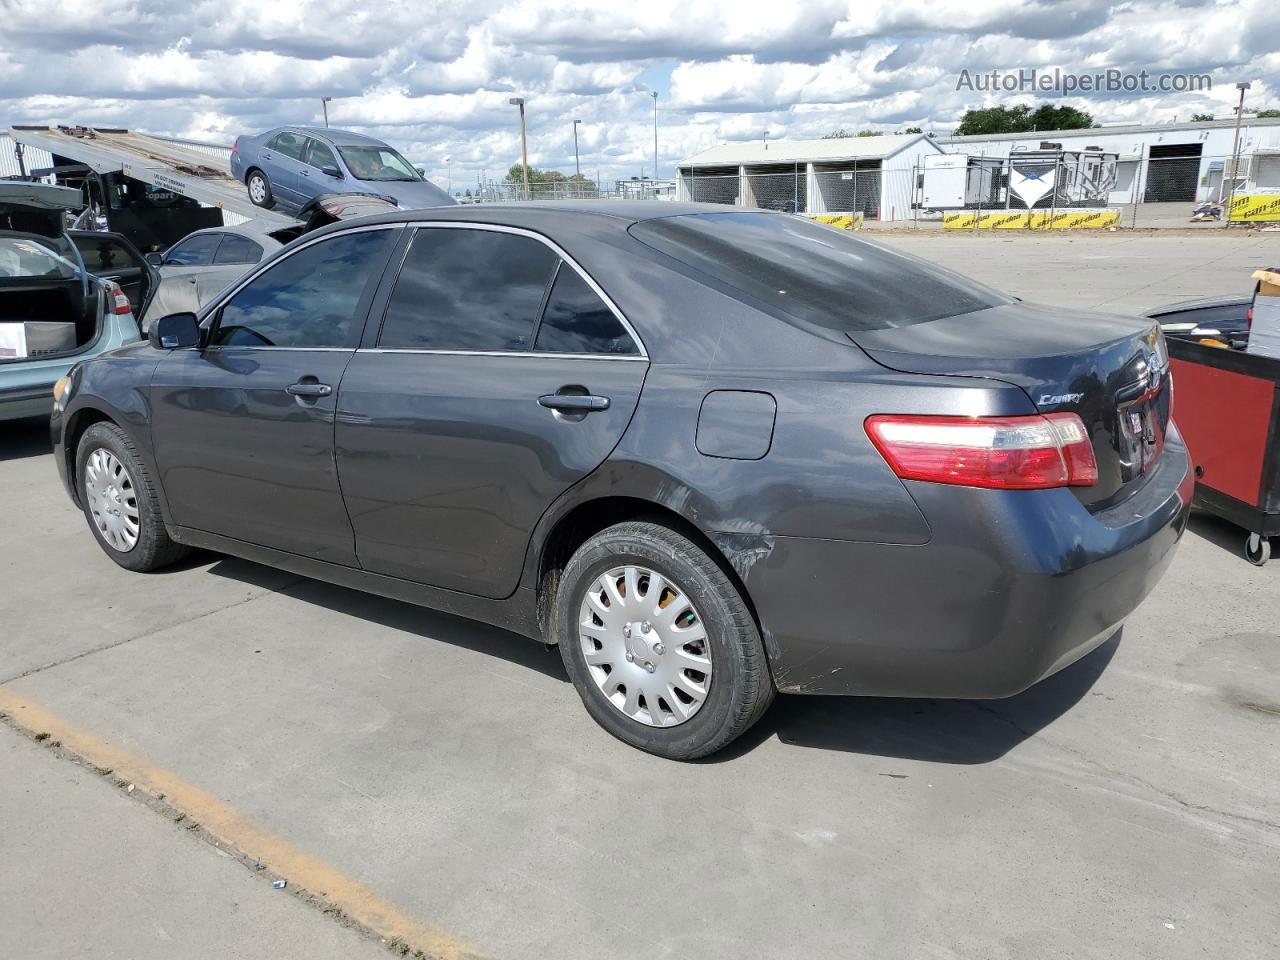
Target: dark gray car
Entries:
(710, 454)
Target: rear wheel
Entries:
(659, 643)
(259, 189)
(119, 501)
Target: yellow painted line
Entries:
(230, 828)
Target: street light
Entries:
(577, 166)
(524, 145)
(654, 94)
(324, 105)
(1235, 155)
(449, 173)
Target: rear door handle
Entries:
(574, 403)
(301, 389)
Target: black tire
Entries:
(154, 548)
(267, 199)
(740, 688)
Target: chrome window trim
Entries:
(632, 357)
(564, 257)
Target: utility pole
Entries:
(577, 165)
(324, 105)
(524, 145)
(654, 94)
(1235, 156)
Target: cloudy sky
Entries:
(433, 78)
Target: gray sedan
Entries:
(708, 453)
(203, 263)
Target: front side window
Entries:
(310, 299)
(467, 290)
(237, 249)
(377, 163)
(195, 251)
(576, 320)
(319, 155)
(288, 145)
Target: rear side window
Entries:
(476, 290)
(816, 274)
(288, 145)
(310, 299)
(195, 251)
(576, 320)
(237, 249)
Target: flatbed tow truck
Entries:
(153, 190)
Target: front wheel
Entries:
(119, 501)
(659, 643)
(260, 190)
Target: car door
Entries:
(112, 257)
(180, 270)
(282, 161)
(243, 425)
(465, 414)
(314, 180)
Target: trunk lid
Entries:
(1112, 371)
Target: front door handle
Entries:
(304, 389)
(573, 402)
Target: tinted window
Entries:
(319, 155)
(195, 251)
(104, 254)
(288, 145)
(467, 290)
(237, 249)
(577, 321)
(818, 274)
(310, 299)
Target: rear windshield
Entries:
(815, 273)
(22, 258)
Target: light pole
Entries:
(324, 105)
(449, 173)
(1235, 155)
(654, 94)
(524, 145)
(577, 165)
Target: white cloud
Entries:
(435, 79)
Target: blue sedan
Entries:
(290, 166)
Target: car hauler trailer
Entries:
(152, 190)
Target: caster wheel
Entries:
(1257, 549)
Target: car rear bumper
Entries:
(1013, 586)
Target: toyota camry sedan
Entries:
(709, 454)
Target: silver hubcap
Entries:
(645, 645)
(257, 189)
(113, 503)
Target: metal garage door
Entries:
(1172, 171)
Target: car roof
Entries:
(547, 212)
(255, 230)
(339, 138)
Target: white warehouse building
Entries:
(1157, 162)
(874, 176)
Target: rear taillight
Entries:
(1009, 453)
(120, 302)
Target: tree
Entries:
(870, 133)
(1269, 114)
(840, 134)
(1022, 119)
(1200, 117)
(913, 130)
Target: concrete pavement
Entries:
(1125, 808)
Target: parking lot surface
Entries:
(1126, 807)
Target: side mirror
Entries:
(174, 332)
(422, 172)
(332, 172)
(154, 258)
